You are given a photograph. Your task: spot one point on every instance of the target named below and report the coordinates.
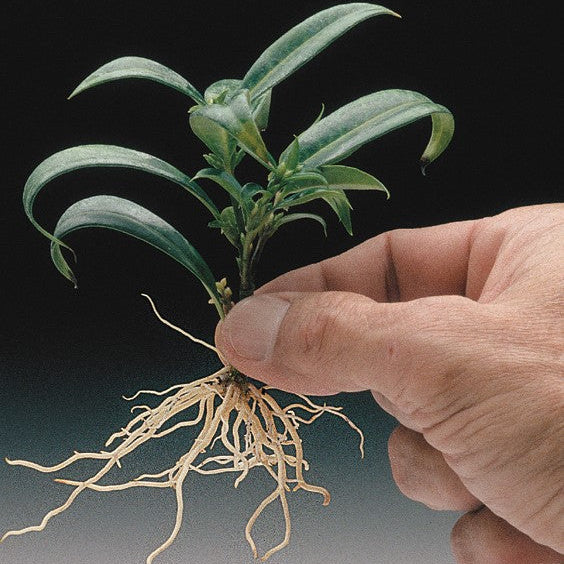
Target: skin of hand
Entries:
(458, 331)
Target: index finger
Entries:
(398, 265)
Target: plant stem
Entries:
(247, 284)
(246, 269)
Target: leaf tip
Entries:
(424, 163)
(76, 91)
(70, 276)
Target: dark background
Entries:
(68, 354)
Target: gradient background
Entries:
(67, 356)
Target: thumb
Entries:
(322, 343)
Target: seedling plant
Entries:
(241, 424)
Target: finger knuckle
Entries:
(315, 331)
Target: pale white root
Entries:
(253, 429)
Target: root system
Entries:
(253, 428)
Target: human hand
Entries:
(458, 331)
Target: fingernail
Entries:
(251, 327)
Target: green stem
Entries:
(247, 282)
(246, 268)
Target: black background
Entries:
(494, 64)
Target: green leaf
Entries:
(341, 133)
(329, 184)
(215, 137)
(221, 91)
(290, 158)
(227, 181)
(228, 225)
(218, 91)
(235, 118)
(350, 178)
(261, 109)
(303, 180)
(87, 156)
(138, 67)
(130, 218)
(332, 177)
(305, 41)
(443, 129)
(338, 200)
(250, 192)
(297, 216)
(214, 161)
(335, 197)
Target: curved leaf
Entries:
(138, 67)
(332, 177)
(304, 41)
(85, 156)
(443, 129)
(227, 181)
(350, 178)
(297, 216)
(335, 197)
(236, 118)
(340, 204)
(132, 219)
(303, 180)
(344, 131)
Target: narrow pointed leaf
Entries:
(302, 181)
(138, 67)
(335, 197)
(122, 215)
(303, 197)
(236, 118)
(87, 156)
(338, 200)
(333, 177)
(350, 178)
(341, 133)
(297, 216)
(304, 41)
